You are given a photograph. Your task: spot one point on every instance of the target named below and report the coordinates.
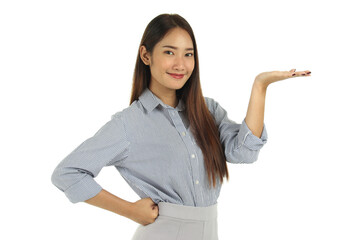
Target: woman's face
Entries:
(171, 62)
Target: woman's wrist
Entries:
(260, 85)
(129, 210)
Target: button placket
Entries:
(193, 161)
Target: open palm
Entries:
(266, 78)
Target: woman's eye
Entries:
(189, 54)
(169, 52)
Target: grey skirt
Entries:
(179, 222)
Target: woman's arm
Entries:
(255, 113)
(108, 201)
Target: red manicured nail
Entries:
(308, 72)
(294, 74)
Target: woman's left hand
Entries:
(266, 78)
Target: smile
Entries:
(176, 76)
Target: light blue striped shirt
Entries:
(152, 147)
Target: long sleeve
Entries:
(75, 174)
(239, 143)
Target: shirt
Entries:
(152, 147)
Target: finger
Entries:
(305, 73)
(292, 72)
(301, 73)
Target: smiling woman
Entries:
(171, 64)
(172, 144)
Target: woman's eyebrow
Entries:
(172, 47)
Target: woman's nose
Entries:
(179, 64)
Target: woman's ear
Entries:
(144, 55)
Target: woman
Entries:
(171, 144)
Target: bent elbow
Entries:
(248, 156)
(57, 180)
(251, 156)
(250, 159)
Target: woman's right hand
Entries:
(144, 211)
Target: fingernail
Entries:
(294, 74)
(308, 72)
(303, 74)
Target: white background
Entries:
(66, 67)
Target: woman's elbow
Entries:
(249, 156)
(57, 179)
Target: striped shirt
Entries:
(152, 147)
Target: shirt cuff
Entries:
(249, 140)
(83, 190)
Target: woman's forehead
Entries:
(177, 38)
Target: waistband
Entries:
(187, 212)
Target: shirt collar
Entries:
(150, 101)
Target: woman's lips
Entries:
(177, 76)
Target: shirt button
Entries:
(192, 155)
(183, 133)
(197, 181)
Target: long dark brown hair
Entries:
(202, 123)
